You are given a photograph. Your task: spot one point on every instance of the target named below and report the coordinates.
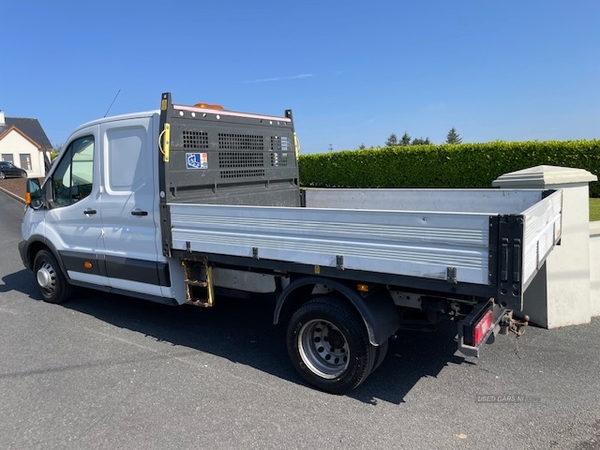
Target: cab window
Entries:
(74, 176)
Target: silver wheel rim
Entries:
(46, 277)
(323, 348)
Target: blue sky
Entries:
(353, 72)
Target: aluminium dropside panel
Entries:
(401, 243)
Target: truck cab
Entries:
(98, 210)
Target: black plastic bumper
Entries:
(24, 255)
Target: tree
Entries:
(453, 137)
(362, 147)
(57, 148)
(405, 139)
(421, 141)
(392, 140)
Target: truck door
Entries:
(73, 219)
(130, 207)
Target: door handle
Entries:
(89, 212)
(139, 212)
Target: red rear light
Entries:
(482, 327)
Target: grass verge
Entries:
(594, 209)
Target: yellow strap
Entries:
(296, 145)
(164, 142)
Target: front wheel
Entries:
(329, 346)
(49, 278)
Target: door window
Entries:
(74, 176)
(128, 169)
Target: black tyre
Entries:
(329, 346)
(49, 278)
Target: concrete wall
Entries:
(560, 294)
(595, 268)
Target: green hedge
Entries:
(456, 166)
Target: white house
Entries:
(24, 143)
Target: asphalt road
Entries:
(110, 372)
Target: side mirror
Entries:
(33, 196)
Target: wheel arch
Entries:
(377, 311)
(34, 245)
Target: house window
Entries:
(25, 161)
(8, 157)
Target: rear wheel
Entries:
(49, 278)
(329, 346)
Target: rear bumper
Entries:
(467, 326)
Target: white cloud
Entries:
(294, 77)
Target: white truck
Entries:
(186, 203)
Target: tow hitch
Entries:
(510, 324)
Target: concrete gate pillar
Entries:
(559, 295)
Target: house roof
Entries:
(30, 128)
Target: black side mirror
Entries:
(34, 197)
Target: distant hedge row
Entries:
(456, 166)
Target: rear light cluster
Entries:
(482, 327)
